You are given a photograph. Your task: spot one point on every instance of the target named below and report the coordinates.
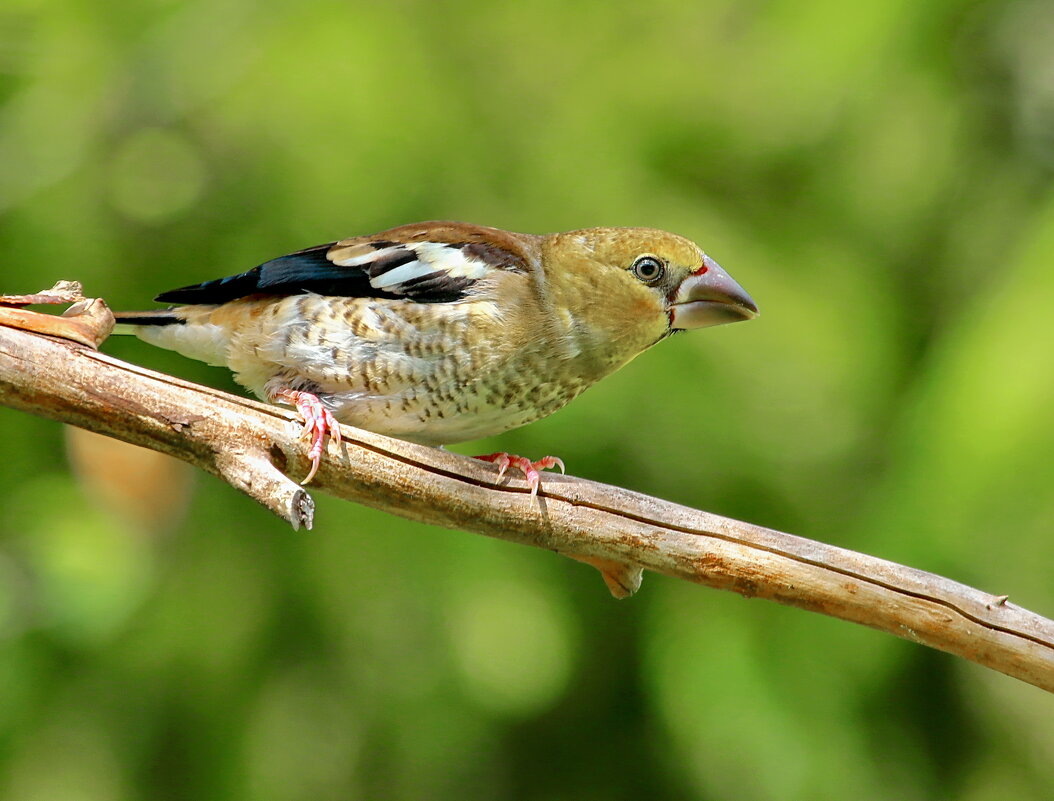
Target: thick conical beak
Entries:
(710, 296)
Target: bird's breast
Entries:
(431, 373)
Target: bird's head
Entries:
(642, 284)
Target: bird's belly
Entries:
(453, 414)
(421, 373)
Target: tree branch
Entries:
(253, 447)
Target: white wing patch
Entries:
(368, 258)
(402, 273)
(430, 260)
(452, 261)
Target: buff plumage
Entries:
(445, 332)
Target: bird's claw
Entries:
(529, 469)
(318, 422)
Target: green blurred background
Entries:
(877, 174)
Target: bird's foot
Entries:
(318, 421)
(529, 469)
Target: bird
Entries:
(444, 332)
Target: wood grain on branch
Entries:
(255, 447)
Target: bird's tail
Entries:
(127, 319)
(185, 329)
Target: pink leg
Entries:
(529, 469)
(318, 421)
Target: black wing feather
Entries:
(311, 271)
(305, 271)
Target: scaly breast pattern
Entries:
(432, 373)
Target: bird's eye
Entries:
(649, 269)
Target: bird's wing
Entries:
(426, 262)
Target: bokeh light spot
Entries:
(156, 175)
(512, 644)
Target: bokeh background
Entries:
(878, 174)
